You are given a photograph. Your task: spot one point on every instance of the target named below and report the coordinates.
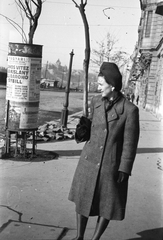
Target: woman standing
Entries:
(100, 182)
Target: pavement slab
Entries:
(15, 230)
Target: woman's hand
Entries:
(122, 177)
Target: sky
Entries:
(61, 29)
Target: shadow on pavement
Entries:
(152, 234)
(69, 153)
(147, 120)
(149, 150)
(39, 156)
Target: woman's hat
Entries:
(112, 75)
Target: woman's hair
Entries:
(101, 74)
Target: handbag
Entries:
(83, 129)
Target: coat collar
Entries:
(115, 111)
(119, 106)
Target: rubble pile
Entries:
(52, 131)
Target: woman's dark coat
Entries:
(111, 148)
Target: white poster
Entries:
(23, 79)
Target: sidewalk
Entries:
(33, 195)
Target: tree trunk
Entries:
(85, 62)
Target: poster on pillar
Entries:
(23, 89)
(23, 79)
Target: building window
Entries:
(148, 24)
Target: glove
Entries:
(122, 177)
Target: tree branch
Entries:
(38, 9)
(76, 5)
(84, 4)
(12, 23)
(20, 10)
(29, 11)
(22, 7)
(35, 3)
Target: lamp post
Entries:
(64, 114)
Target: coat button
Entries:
(98, 164)
(101, 147)
(112, 115)
(89, 141)
(105, 130)
(92, 125)
(86, 157)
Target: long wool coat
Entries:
(111, 148)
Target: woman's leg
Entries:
(98, 219)
(101, 225)
(81, 226)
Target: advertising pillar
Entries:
(23, 86)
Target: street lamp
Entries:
(64, 114)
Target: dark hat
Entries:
(112, 75)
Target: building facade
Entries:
(147, 69)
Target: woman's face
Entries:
(103, 86)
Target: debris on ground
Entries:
(52, 131)
(47, 132)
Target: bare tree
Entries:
(32, 10)
(99, 54)
(106, 52)
(105, 48)
(81, 8)
(120, 58)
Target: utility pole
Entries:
(64, 114)
(78, 81)
(46, 69)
